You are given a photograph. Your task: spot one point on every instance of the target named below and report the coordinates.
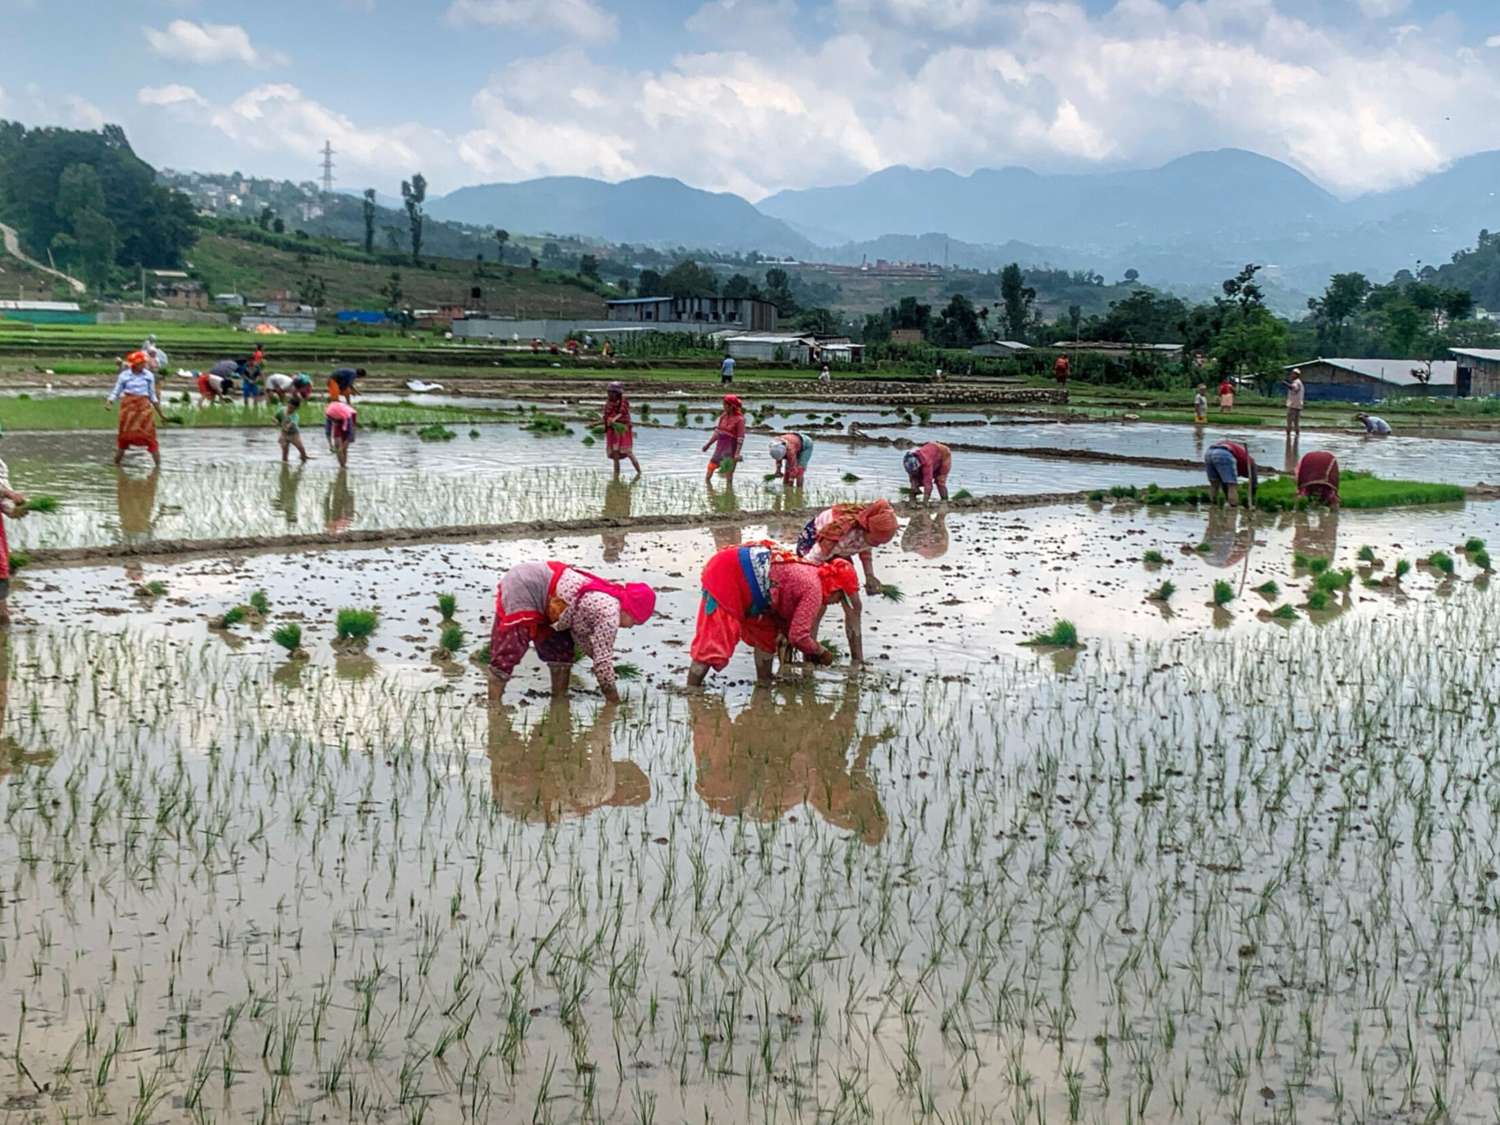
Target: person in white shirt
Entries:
(1296, 398)
(1375, 427)
(156, 359)
(135, 391)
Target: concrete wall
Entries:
(118, 314)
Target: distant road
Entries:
(13, 248)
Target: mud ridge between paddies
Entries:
(168, 549)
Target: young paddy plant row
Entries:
(1215, 881)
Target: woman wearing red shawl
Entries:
(761, 594)
(564, 611)
(728, 438)
(846, 530)
(1318, 478)
(926, 466)
(619, 434)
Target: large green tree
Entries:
(1018, 298)
(413, 195)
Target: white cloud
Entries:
(82, 113)
(206, 43)
(583, 19)
(170, 94)
(1492, 41)
(1383, 9)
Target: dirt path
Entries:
(13, 248)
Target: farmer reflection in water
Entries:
(135, 497)
(619, 500)
(553, 771)
(926, 535)
(1228, 537)
(338, 505)
(786, 749)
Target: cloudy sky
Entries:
(756, 95)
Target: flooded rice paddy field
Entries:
(218, 483)
(1406, 458)
(1206, 869)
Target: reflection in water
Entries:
(286, 491)
(13, 756)
(619, 502)
(338, 505)
(779, 753)
(1315, 532)
(1230, 535)
(926, 535)
(135, 498)
(724, 502)
(553, 772)
(1293, 454)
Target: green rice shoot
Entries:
(355, 624)
(447, 605)
(1063, 634)
(1223, 593)
(288, 636)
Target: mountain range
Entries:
(1186, 224)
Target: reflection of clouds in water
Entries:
(554, 770)
(786, 748)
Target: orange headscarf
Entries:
(877, 520)
(135, 359)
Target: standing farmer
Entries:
(728, 439)
(1226, 393)
(1226, 462)
(619, 434)
(1296, 398)
(726, 371)
(135, 390)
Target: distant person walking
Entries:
(825, 376)
(1060, 371)
(726, 371)
(1296, 398)
(135, 391)
(1200, 404)
(1226, 394)
(1374, 427)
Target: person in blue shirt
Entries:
(726, 371)
(135, 391)
(1377, 427)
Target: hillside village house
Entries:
(748, 313)
(1478, 371)
(1365, 380)
(175, 289)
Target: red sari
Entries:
(618, 443)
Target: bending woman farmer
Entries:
(847, 530)
(760, 594)
(728, 438)
(792, 453)
(1318, 477)
(1226, 462)
(926, 466)
(564, 611)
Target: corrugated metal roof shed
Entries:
(1397, 372)
(1489, 355)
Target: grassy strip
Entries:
(76, 413)
(1356, 491)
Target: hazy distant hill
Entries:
(652, 210)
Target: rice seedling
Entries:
(19, 559)
(288, 636)
(156, 587)
(1480, 558)
(963, 494)
(1153, 557)
(1442, 562)
(355, 624)
(451, 640)
(41, 503)
(1269, 589)
(1332, 581)
(769, 477)
(1317, 600)
(231, 617)
(1367, 554)
(627, 671)
(1472, 544)
(1403, 568)
(260, 603)
(1284, 612)
(727, 465)
(547, 425)
(1223, 593)
(436, 432)
(447, 605)
(1063, 634)
(850, 478)
(1316, 566)
(1163, 593)
(588, 439)
(891, 592)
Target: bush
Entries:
(355, 624)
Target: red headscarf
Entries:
(635, 598)
(135, 360)
(877, 520)
(838, 578)
(733, 404)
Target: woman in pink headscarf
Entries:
(564, 611)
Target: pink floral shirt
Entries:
(854, 542)
(594, 620)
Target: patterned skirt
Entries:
(137, 424)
